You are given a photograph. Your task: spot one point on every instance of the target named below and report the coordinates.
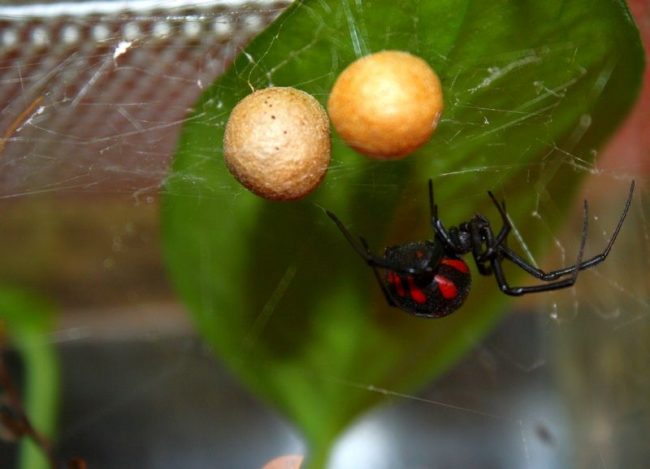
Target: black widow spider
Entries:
(429, 279)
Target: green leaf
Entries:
(26, 322)
(531, 90)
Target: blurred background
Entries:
(93, 95)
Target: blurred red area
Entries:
(629, 149)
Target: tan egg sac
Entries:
(386, 105)
(277, 143)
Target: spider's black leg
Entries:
(557, 285)
(380, 281)
(433, 208)
(444, 235)
(505, 227)
(436, 223)
(371, 259)
(482, 235)
(518, 291)
(555, 274)
(494, 245)
(364, 252)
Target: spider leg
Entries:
(364, 252)
(557, 285)
(595, 260)
(482, 235)
(518, 291)
(444, 235)
(494, 245)
(371, 259)
(436, 223)
(382, 284)
(433, 208)
(506, 227)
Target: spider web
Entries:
(93, 97)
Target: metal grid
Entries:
(92, 94)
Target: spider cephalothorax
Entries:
(429, 278)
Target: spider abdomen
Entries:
(432, 294)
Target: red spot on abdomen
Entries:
(457, 264)
(417, 294)
(395, 280)
(446, 286)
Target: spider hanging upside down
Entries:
(429, 279)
